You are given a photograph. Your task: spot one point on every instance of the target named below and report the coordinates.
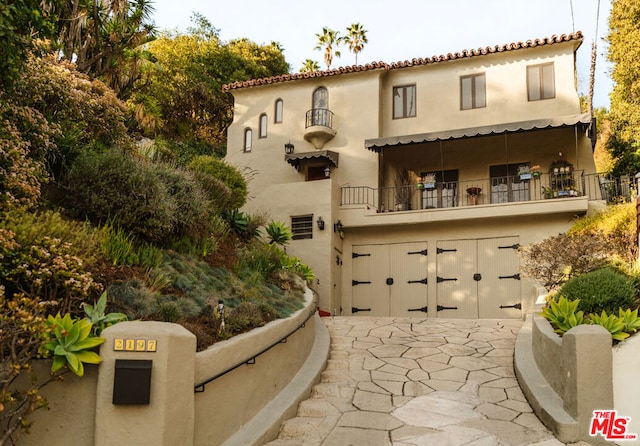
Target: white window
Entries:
(541, 82)
(247, 140)
(473, 92)
(404, 101)
(278, 111)
(263, 126)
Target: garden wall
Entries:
(276, 366)
(565, 379)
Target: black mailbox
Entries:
(132, 381)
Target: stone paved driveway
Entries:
(419, 382)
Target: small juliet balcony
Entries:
(319, 127)
(495, 191)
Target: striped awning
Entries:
(326, 156)
(378, 144)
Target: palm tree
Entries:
(309, 66)
(327, 40)
(356, 38)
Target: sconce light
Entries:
(327, 171)
(337, 227)
(320, 223)
(288, 148)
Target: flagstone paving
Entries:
(417, 382)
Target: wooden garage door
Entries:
(390, 280)
(478, 278)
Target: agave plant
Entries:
(97, 316)
(612, 323)
(563, 314)
(278, 233)
(71, 343)
(630, 320)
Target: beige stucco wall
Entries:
(70, 415)
(626, 393)
(438, 91)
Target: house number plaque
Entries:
(134, 345)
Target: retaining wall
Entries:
(276, 367)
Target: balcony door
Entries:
(506, 185)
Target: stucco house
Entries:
(409, 186)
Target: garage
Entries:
(475, 278)
(478, 278)
(390, 280)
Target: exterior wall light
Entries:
(337, 227)
(288, 148)
(320, 223)
(327, 171)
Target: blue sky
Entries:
(403, 29)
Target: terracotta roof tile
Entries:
(406, 64)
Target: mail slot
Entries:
(132, 381)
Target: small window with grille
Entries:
(302, 226)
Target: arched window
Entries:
(320, 98)
(247, 140)
(278, 111)
(263, 126)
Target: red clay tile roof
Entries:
(414, 62)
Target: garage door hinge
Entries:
(418, 281)
(423, 309)
(355, 310)
(355, 255)
(441, 250)
(356, 282)
(515, 276)
(517, 306)
(442, 307)
(516, 246)
(423, 252)
(444, 279)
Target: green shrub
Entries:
(262, 258)
(615, 226)
(48, 258)
(223, 183)
(601, 290)
(192, 205)
(249, 315)
(114, 186)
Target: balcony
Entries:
(319, 127)
(494, 191)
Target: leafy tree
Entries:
(326, 42)
(24, 24)
(356, 38)
(309, 66)
(181, 94)
(624, 52)
(103, 38)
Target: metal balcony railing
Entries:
(493, 191)
(319, 116)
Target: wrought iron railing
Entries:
(496, 190)
(319, 116)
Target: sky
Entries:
(399, 30)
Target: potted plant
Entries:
(429, 180)
(524, 171)
(401, 190)
(536, 171)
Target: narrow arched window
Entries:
(320, 98)
(247, 140)
(278, 111)
(263, 126)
